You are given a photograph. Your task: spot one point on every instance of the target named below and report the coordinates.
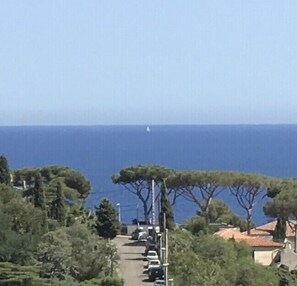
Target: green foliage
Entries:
(75, 252)
(38, 193)
(166, 209)
(20, 227)
(248, 189)
(220, 212)
(74, 183)
(286, 277)
(138, 180)
(190, 269)
(60, 205)
(4, 171)
(15, 247)
(107, 224)
(24, 217)
(279, 233)
(196, 225)
(283, 205)
(91, 257)
(75, 180)
(54, 252)
(199, 187)
(16, 275)
(278, 185)
(6, 194)
(210, 260)
(111, 281)
(13, 275)
(57, 209)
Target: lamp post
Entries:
(170, 282)
(137, 207)
(160, 246)
(119, 211)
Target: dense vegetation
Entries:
(210, 260)
(201, 187)
(196, 256)
(46, 236)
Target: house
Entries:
(266, 231)
(264, 250)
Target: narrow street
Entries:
(131, 262)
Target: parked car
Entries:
(159, 282)
(150, 246)
(152, 262)
(142, 236)
(135, 233)
(156, 273)
(152, 255)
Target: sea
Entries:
(98, 152)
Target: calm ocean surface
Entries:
(100, 151)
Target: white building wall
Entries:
(265, 255)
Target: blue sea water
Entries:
(100, 151)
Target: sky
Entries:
(99, 62)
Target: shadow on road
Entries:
(136, 259)
(134, 243)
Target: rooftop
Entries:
(268, 228)
(252, 241)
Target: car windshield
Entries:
(151, 253)
(155, 262)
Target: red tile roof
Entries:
(268, 228)
(230, 233)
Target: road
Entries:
(131, 262)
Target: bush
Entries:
(111, 281)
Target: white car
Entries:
(159, 282)
(153, 263)
(152, 255)
(142, 236)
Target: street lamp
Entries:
(137, 219)
(119, 211)
(160, 246)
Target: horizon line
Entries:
(155, 124)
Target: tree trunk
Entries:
(248, 220)
(206, 211)
(146, 214)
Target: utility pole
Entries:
(160, 238)
(164, 251)
(153, 204)
(165, 254)
(119, 211)
(166, 264)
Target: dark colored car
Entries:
(135, 233)
(156, 273)
(149, 247)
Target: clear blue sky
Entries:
(148, 62)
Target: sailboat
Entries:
(148, 129)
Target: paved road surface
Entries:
(131, 262)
